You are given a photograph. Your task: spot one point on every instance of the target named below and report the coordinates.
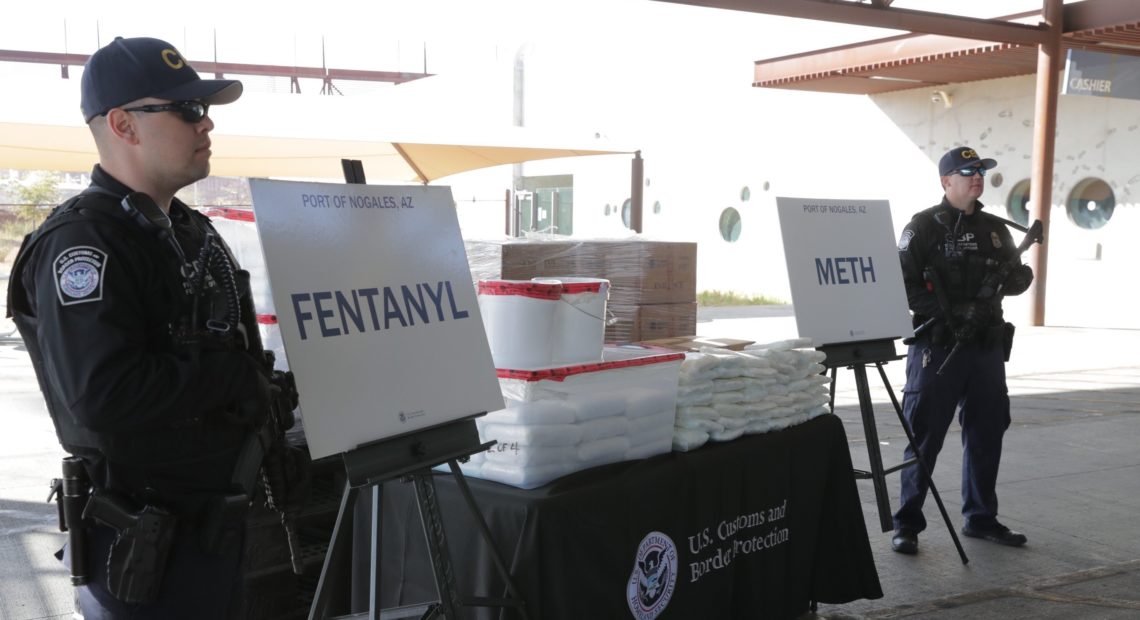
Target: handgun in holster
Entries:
(71, 493)
(139, 554)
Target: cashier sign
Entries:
(843, 267)
(376, 307)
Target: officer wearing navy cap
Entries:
(142, 335)
(949, 255)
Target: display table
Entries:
(759, 527)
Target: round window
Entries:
(1090, 204)
(1017, 205)
(996, 179)
(730, 224)
(657, 206)
(626, 208)
(745, 194)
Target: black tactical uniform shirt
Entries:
(962, 262)
(103, 296)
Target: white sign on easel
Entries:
(844, 271)
(377, 310)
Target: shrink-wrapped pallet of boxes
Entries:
(652, 290)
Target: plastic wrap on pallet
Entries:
(642, 273)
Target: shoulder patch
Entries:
(904, 242)
(79, 274)
(995, 239)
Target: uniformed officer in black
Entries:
(954, 250)
(143, 343)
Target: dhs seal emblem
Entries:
(79, 275)
(654, 576)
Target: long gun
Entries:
(990, 289)
(282, 470)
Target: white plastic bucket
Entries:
(519, 316)
(580, 322)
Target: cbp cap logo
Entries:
(79, 275)
(654, 576)
(172, 59)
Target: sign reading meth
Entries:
(843, 267)
(376, 308)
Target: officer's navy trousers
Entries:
(973, 385)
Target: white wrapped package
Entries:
(533, 435)
(699, 411)
(524, 477)
(601, 428)
(699, 424)
(604, 405)
(685, 439)
(653, 448)
(652, 423)
(524, 455)
(603, 451)
(564, 419)
(641, 402)
(533, 413)
(765, 387)
(651, 436)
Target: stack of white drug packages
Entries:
(723, 394)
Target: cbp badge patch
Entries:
(904, 242)
(79, 275)
(654, 576)
(995, 239)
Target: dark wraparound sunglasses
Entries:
(969, 172)
(190, 111)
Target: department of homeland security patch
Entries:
(904, 242)
(654, 576)
(79, 274)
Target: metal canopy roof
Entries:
(926, 60)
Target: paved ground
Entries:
(1070, 480)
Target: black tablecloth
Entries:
(760, 527)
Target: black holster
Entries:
(139, 554)
(1007, 339)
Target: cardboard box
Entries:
(639, 271)
(650, 321)
(651, 272)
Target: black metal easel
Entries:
(857, 356)
(410, 456)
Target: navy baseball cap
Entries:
(129, 69)
(962, 157)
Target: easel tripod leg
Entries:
(465, 491)
(878, 476)
(922, 464)
(339, 544)
(437, 543)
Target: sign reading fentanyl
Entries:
(1098, 74)
(376, 308)
(843, 267)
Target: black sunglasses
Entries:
(190, 111)
(969, 172)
